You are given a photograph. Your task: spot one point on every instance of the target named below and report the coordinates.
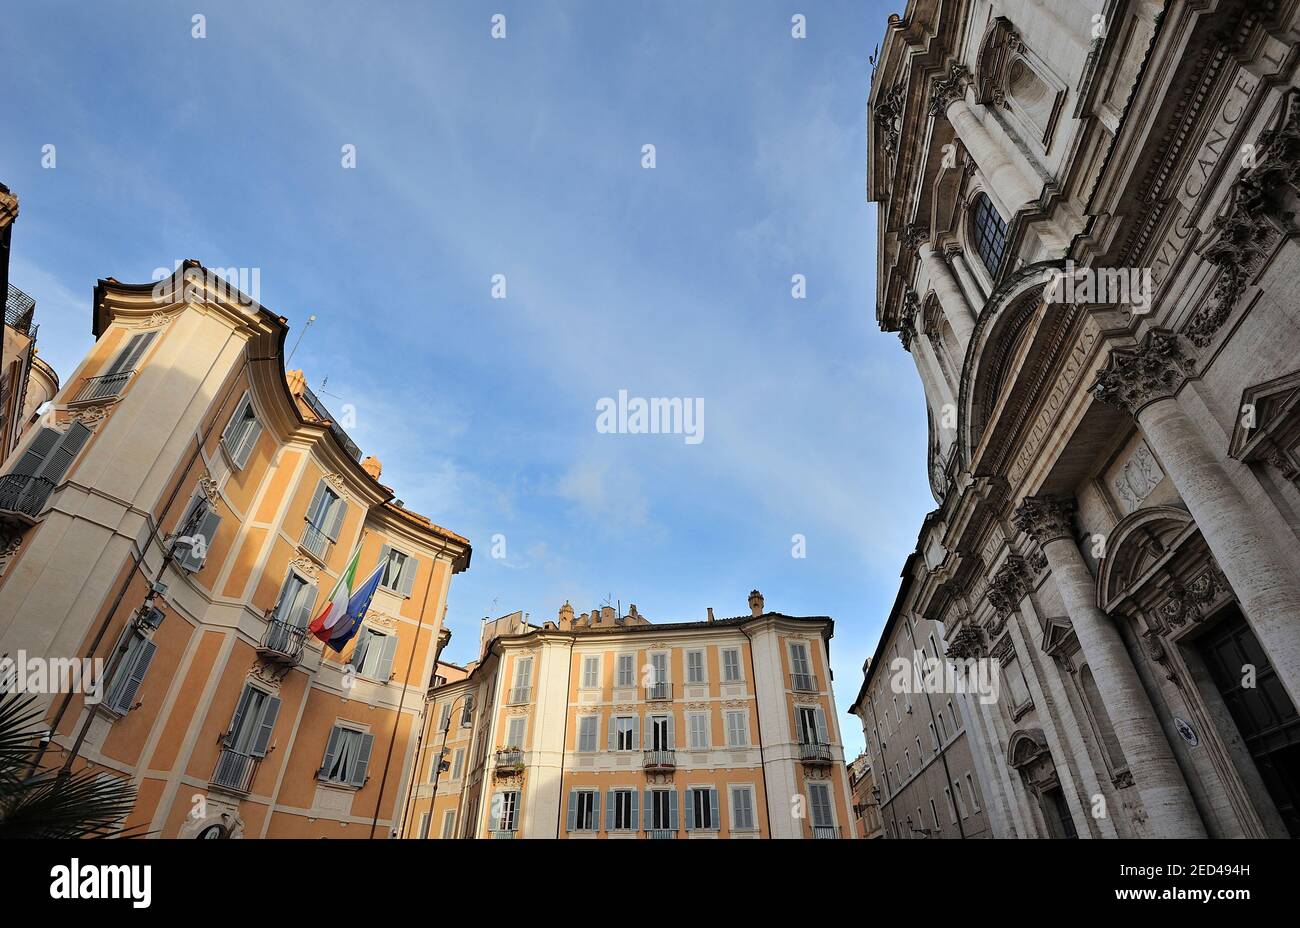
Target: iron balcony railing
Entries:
(234, 771)
(20, 309)
(660, 834)
(282, 641)
(315, 542)
(103, 387)
(826, 831)
(24, 493)
(508, 762)
(658, 691)
(803, 682)
(520, 695)
(815, 753)
(659, 760)
(504, 835)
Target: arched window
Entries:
(988, 233)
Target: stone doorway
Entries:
(1264, 714)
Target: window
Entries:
(399, 571)
(129, 673)
(515, 733)
(661, 733)
(701, 809)
(943, 732)
(584, 809)
(934, 737)
(46, 461)
(587, 726)
(738, 729)
(241, 433)
(458, 764)
(934, 814)
(801, 677)
(961, 804)
(621, 811)
(812, 726)
(111, 382)
(699, 730)
(467, 711)
(591, 672)
(448, 824)
(253, 721)
(952, 806)
(694, 666)
(920, 751)
(324, 521)
(505, 810)
(297, 597)
(424, 825)
(522, 689)
(907, 756)
(658, 688)
(731, 665)
(195, 533)
(627, 670)
(819, 801)
(988, 233)
(622, 734)
(347, 757)
(952, 715)
(974, 796)
(373, 657)
(742, 808)
(445, 717)
(661, 810)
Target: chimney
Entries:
(606, 615)
(296, 380)
(755, 602)
(566, 616)
(710, 615)
(372, 466)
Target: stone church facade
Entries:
(1088, 243)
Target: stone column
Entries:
(975, 295)
(1156, 774)
(1011, 188)
(1142, 381)
(955, 308)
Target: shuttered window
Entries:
(515, 733)
(584, 810)
(587, 734)
(731, 665)
(661, 810)
(130, 671)
(46, 461)
(505, 810)
(694, 666)
(699, 727)
(621, 810)
(623, 733)
(819, 798)
(424, 824)
(742, 808)
(702, 809)
(737, 729)
(373, 657)
(591, 672)
(241, 433)
(458, 764)
(626, 670)
(444, 717)
(254, 720)
(399, 571)
(448, 824)
(812, 726)
(347, 757)
(195, 534)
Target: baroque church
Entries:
(1117, 481)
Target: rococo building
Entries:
(1087, 242)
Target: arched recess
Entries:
(1025, 746)
(1009, 321)
(1137, 548)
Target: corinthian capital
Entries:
(1137, 377)
(947, 89)
(1044, 518)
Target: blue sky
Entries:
(522, 157)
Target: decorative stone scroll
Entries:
(1184, 602)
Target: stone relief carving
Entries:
(947, 89)
(157, 320)
(89, 416)
(1137, 478)
(305, 566)
(1045, 519)
(1184, 602)
(1009, 584)
(889, 119)
(208, 486)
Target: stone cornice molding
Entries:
(1045, 518)
(1138, 376)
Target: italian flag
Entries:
(344, 609)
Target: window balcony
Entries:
(508, 762)
(815, 754)
(282, 642)
(23, 496)
(829, 832)
(659, 760)
(504, 835)
(520, 696)
(660, 834)
(234, 772)
(803, 682)
(103, 387)
(659, 692)
(315, 542)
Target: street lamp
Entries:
(443, 764)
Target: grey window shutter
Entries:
(636, 731)
(64, 453)
(357, 775)
(672, 735)
(190, 559)
(135, 351)
(713, 810)
(230, 433)
(820, 716)
(263, 738)
(573, 810)
(649, 822)
(314, 507)
(132, 675)
(336, 514)
(37, 451)
(240, 708)
(252, 432)
(672, 809)
(384, 578)
(301, 614)
(330, 749)
(613, 733)
(408, 576)
(609, 810)
(284, 602)
(690, 810)
(631, 819)
(386, 658)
